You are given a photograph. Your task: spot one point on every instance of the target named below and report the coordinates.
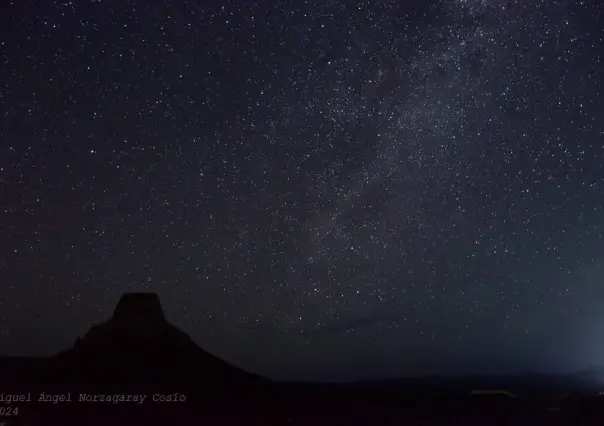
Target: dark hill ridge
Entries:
(137, 345)
(138, 351)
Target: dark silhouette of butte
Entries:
(137, 345)
(143, 305)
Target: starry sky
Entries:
(316, 189)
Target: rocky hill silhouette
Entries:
(137, 345)
(138, 351)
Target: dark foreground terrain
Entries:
(137, 368)
(291, 405)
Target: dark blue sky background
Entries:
(315, 189)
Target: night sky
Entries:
(316, 189)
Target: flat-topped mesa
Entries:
(138, 319)
(141, 306)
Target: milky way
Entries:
(416, 183)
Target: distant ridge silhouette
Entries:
(137, 351)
